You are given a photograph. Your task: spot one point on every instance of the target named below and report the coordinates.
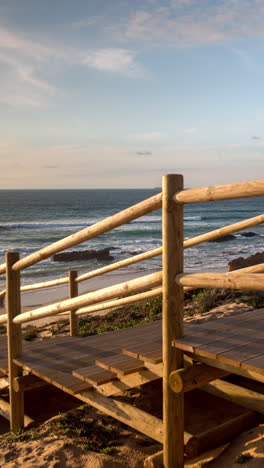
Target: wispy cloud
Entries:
(113, 60)
(185, 23)
(25, 60)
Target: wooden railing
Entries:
(170, 282)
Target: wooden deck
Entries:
(116, 361)
(78, 364)
(234, 344)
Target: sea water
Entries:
(32, 219)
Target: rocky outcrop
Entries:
(232, 237)
(248, 234)
(103, 254)
(242, 262)
(224, 238)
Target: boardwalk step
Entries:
(94, 375)
(121, 364)
(149, 352)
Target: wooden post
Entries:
(14, 338)
(172, 313)
(73, 292)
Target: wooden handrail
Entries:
(221, 232)
(208, 236)
(120, 264)
(107, 224)
(250, 281)
(251, 269)
(120, 302)
(2, 268)
(249, 189)
(123, 289)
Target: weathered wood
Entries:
(73, 292)
(214, 437)
(154, 461)
(14, 339)
(242, 396)
(248, 373)
(106, 225)
(134, 417)
(4, 385)
(27, 382)
(5, 412)
(120, 364)
(123, 289)
(219, 435)
(250, 281)
(193, 377)
(172, 313)
(94, 375)
(254, 188)
(129, 381)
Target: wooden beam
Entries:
(5, 411)
(242, 396)
(134, 417)
(254, 188)
(249, 374)
(27, 382)
(249, 281)
(193, 377)
(172, 321)
(14, 339)
(120, 302)
(73, 292)
(214, 437)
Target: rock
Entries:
(103, 254)
(248, 234)
(242, 262)
(224, 238)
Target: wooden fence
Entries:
(170, 282)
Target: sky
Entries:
(116, 93)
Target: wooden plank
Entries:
(243, 353)
(228, 345)
(62, 380)
(150, 352)
(255, 363)
(120, 364)
(94, 375)
(129, 381)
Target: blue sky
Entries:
(115, 93)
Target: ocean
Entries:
(32, 219)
